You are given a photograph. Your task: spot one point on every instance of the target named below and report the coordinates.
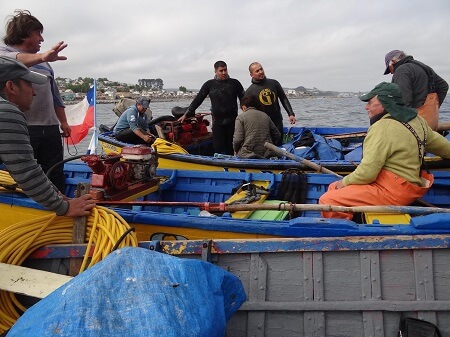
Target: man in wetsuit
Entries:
(268, 92)
(223, 92)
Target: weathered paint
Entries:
(349, 286)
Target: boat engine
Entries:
(126, 176)
(187, 132)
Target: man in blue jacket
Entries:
(132, 126)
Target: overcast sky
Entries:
(331, 45)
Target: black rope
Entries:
(62, 162)
(122, 237)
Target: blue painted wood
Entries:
(205, 186)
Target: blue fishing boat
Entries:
(302, 274)
(209, 204)
(335, 148)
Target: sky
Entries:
(336, 45)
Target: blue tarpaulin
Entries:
(137, 292)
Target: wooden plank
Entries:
(423, 271)
(257, 293)
(79, 231)
(314, 321)
(30, 282)
(371, 291)
(340, 306)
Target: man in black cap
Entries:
(16, 95)
(390, 170)
(132, 126)
(421, 87)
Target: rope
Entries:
(104, 229)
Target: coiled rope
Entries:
(104, 228)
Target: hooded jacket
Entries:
(413, 82)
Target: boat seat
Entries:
(269, 215)
(393, 218)
(387, 218)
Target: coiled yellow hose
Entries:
(104, 228)
(7, 182)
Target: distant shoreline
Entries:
(157, 99)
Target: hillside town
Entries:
(73, 90)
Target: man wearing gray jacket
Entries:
(421, 87)
(16, 95)
(252, 130)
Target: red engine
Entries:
(187, 132)
(123, 176)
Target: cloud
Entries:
(332, 45)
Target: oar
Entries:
(283, 206)
(443, 127)
(331, 208)
(203, 205)
(346, 135)
(301, 160)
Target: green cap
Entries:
(390, 96)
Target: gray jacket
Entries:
(252, 129)
(17, 155)
(413, 82)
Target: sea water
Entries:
(309, 112)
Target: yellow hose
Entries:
(7, 181)
(104, 227)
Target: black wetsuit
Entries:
(224, 107)
(268, 92)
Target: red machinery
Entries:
(125, 176)
(187, 132)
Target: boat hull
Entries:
(303, 276)
(161, 220)
(201, 157)
(347, 286)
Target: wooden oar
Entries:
(283, 206)
(346, 135)
(301, 160)
(203, 205)
(443, 127)
(331, 208)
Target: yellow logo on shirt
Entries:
(267, 97)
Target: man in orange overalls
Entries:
(390, 170)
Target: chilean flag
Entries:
(80, 117)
